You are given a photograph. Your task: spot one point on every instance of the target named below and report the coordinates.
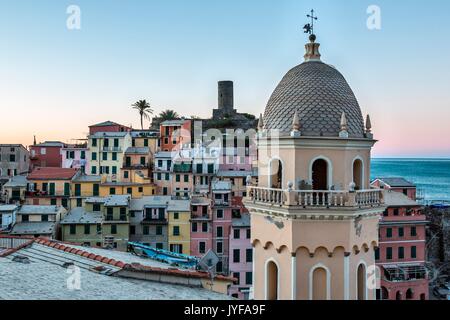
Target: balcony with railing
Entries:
(315, 198)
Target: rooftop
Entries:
(149, 201)
(17, 181)
(164, 154)
(117, 201)
(52, 173)
(81, 216)
(33, 228)
(221, 186)
(396, 182)
(179, 205)
(8, 207)
(106, 124)
(36, 209)
(45, 277)
(398, 199)
(319, 94)
(50, 144)
(168, 123)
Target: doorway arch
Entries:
(272, 280)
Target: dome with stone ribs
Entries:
(320, 94)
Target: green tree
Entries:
(144, 109)
(168, 115)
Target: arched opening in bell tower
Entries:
(361, 282)
(319, 284)
(276, 174)
(320, 175)
(271, 281)
(358, 174)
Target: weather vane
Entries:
(309, 28)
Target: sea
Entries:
(432, 176)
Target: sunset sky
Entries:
(54, 82)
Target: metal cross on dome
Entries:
(309, 28)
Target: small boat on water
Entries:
(172, 258)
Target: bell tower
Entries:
(314, 217)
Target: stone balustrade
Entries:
(315, 198)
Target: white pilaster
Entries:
(294, 277)
(346, 276)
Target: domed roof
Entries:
(320, 94)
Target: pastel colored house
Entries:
(201, 225)
(14, 191)
(106, 153)
(146, 138)
(82, 187)
(175, 134)
(241, 257)
(74, 156)
(401, 255)
(134, 189)
(179, 232)
(82, 227)
(116, 222)
(51, 186)
(14, 160)
(221, 223)
(7, 217)
(138, 161)
(38, 221)
(46, 154)
(162, 173)
(149, 221)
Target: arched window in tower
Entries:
(358, 174)
(384, 293)
(409, 294)
(320, 175)
(272, 281)
(361, 284)
(320, 284)
(276, 174)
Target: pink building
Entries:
(201, 226)
(241, 257)
(401, 254)
(107, 126)
(74, 156)
(222, 218)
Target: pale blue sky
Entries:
(173, 52)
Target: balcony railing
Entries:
(315, 198)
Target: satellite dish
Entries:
(208, 262)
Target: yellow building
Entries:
(179, 233)
(51, 186)
(83, 187)
(134, 189)
(106, 153)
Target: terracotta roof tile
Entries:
(52, 174)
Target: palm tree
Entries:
(168, 115)
(145, 110)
